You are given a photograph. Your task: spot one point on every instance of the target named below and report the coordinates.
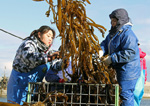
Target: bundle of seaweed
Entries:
(79, 42)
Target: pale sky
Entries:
(21, 17)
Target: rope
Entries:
(11, 34)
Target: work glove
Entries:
(53, 56)
(100, 53)
(61, 80)
(107, 60)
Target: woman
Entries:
(121, 46)
(54, 75)
(139, 88)
(31, 63)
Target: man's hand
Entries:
(100, 54)
(107, 60)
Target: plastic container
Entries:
(73, 94)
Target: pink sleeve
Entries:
(145, 75)
(144, 63)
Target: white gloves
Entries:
(100, 53)
(107, 61)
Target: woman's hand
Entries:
(53, 56)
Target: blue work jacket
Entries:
(124, 52)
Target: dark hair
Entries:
(42, 30)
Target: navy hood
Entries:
(121, 15)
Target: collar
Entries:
(129, 23)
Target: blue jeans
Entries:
(127, 95)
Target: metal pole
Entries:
(116, 95)
(11, 34)
(29, 93)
